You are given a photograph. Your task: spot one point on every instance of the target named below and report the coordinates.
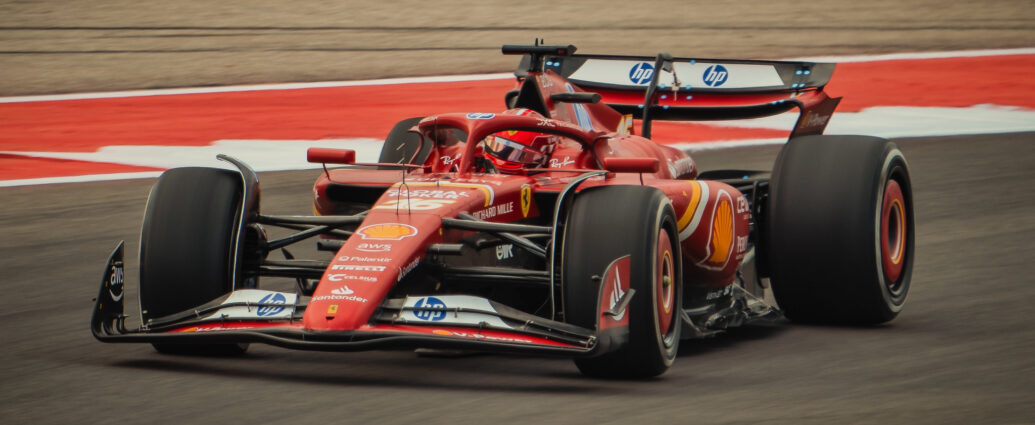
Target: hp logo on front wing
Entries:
(424, 305)
(270, 310)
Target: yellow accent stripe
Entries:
(695, 198)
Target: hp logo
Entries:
(268, 310)
(430, 303)
(641, 73)
(715, 75)
(480, 116)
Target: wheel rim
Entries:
(893, 232)
(665, 285)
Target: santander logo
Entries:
(344, 290)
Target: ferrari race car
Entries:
(556, 227)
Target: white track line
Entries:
(255, 87)
(80, 179)
(919, 55)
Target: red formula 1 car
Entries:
(552, 228)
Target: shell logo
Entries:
(387, 231)
(722, 233)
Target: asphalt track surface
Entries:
(961, 352)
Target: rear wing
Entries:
(688, 89)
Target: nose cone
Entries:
(382, 251)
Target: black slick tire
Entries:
(605, 224)
(187, 246)
(841, 230)
(403, 147)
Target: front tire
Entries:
(608, 223)
(188, 246)
(841, 230)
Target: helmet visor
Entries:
(509, 150)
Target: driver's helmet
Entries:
(515, 149)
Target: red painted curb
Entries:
(370, 111)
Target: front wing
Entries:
(248, 316)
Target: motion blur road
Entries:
(961, 352)
(54, 46)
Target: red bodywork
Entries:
(713, 217)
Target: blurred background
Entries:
(61, 46)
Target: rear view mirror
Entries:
(331, 156)
(631, 165)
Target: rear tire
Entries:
(841, 230)
(608, 223)
(188, 246)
